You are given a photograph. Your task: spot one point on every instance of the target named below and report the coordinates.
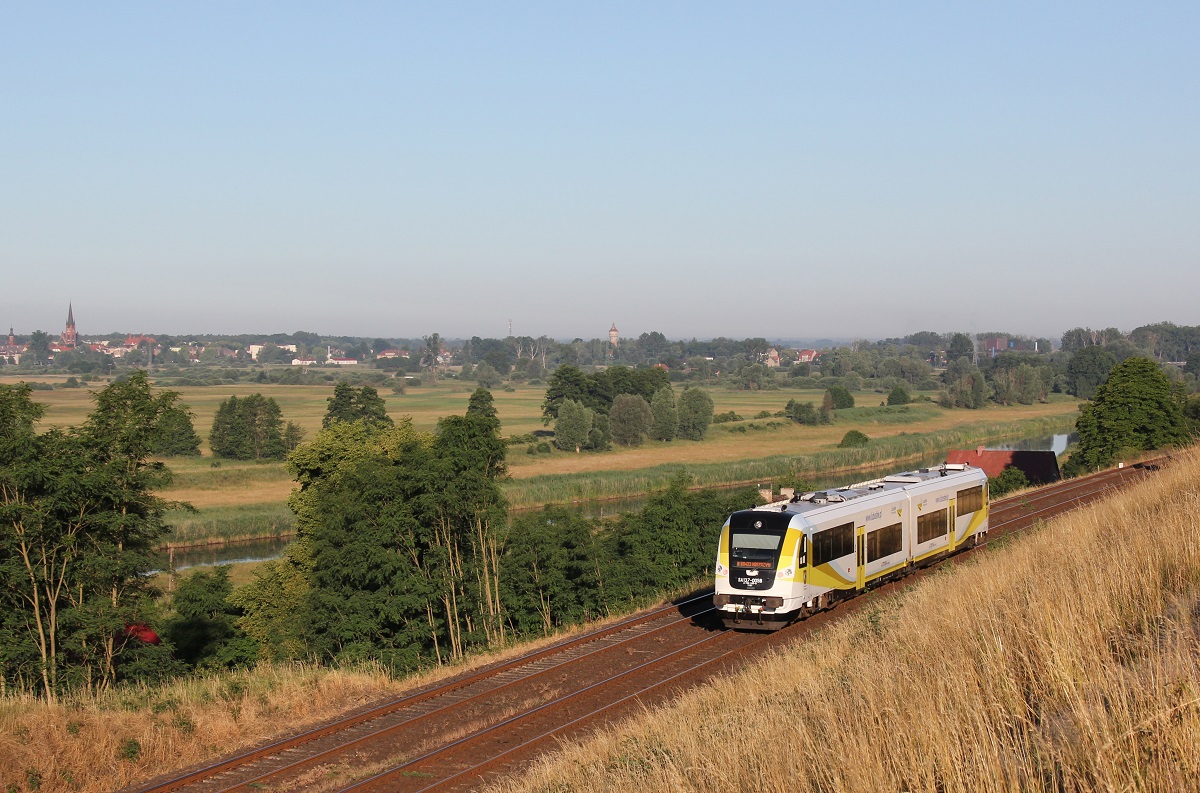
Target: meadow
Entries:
(241, 500)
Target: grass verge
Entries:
(1067, 659)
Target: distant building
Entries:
(69, 337)
(614, 336)
(304, 362)
(806, 356)
(255, 349)
(1040, 468)
(343, 361)
(996, 345)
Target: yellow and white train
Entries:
(792, 558)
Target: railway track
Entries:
(470, 729)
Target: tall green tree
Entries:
(1088, 368)
(573, 428)
(399, 539)
(1134, 410)
(38, 348)
(629, 420)
(665, 415)
(251, 428)
(960, 346)
(966, 387)
(177, 435)
(695, 414)
(79, 523)
(354, 404)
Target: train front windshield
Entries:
(754, 549)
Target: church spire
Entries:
(69, 336)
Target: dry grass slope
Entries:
(1066, 660)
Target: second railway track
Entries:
(470, 729)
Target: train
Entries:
(792, 558)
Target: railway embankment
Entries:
(1064, 658)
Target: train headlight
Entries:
(788, 573)
(722, 570)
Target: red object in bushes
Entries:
(141, 631)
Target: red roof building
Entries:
(1040, 468)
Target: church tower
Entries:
(614, 336)
(69, 336)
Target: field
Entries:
(238, 500)
(992, 675)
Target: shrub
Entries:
(853, 440)
(1010, 479)
(723, 418)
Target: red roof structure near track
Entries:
(1039, 467)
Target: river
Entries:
(271, 548)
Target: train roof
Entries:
(803, 503)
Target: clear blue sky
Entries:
(701, 169)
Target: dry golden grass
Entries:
(1067, 659)
(78, 744)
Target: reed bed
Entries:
(216, 525)
(1065, 659)
(535, 491)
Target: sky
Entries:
(702, 169)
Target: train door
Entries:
(953, 526)
(860, 534)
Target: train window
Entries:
(765, 542)
(935, 524)
(969, 500)
(754, 549)
(832, 543)
(885, 542)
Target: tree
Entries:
(965, 385)
(574, 425)
(354, 404)
(431, 352)
(1087, 369)
(629, 419)
(898, 396)
(487, 376)
(960, 346)
(78, 527)
(176, 434)
(803, 413)
(399, 536)
(695, 414)
(38, 347)
(840, 397)
(1134, 410)
(566, 383)
(665, 421)
(204, 630)
(250, 428)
